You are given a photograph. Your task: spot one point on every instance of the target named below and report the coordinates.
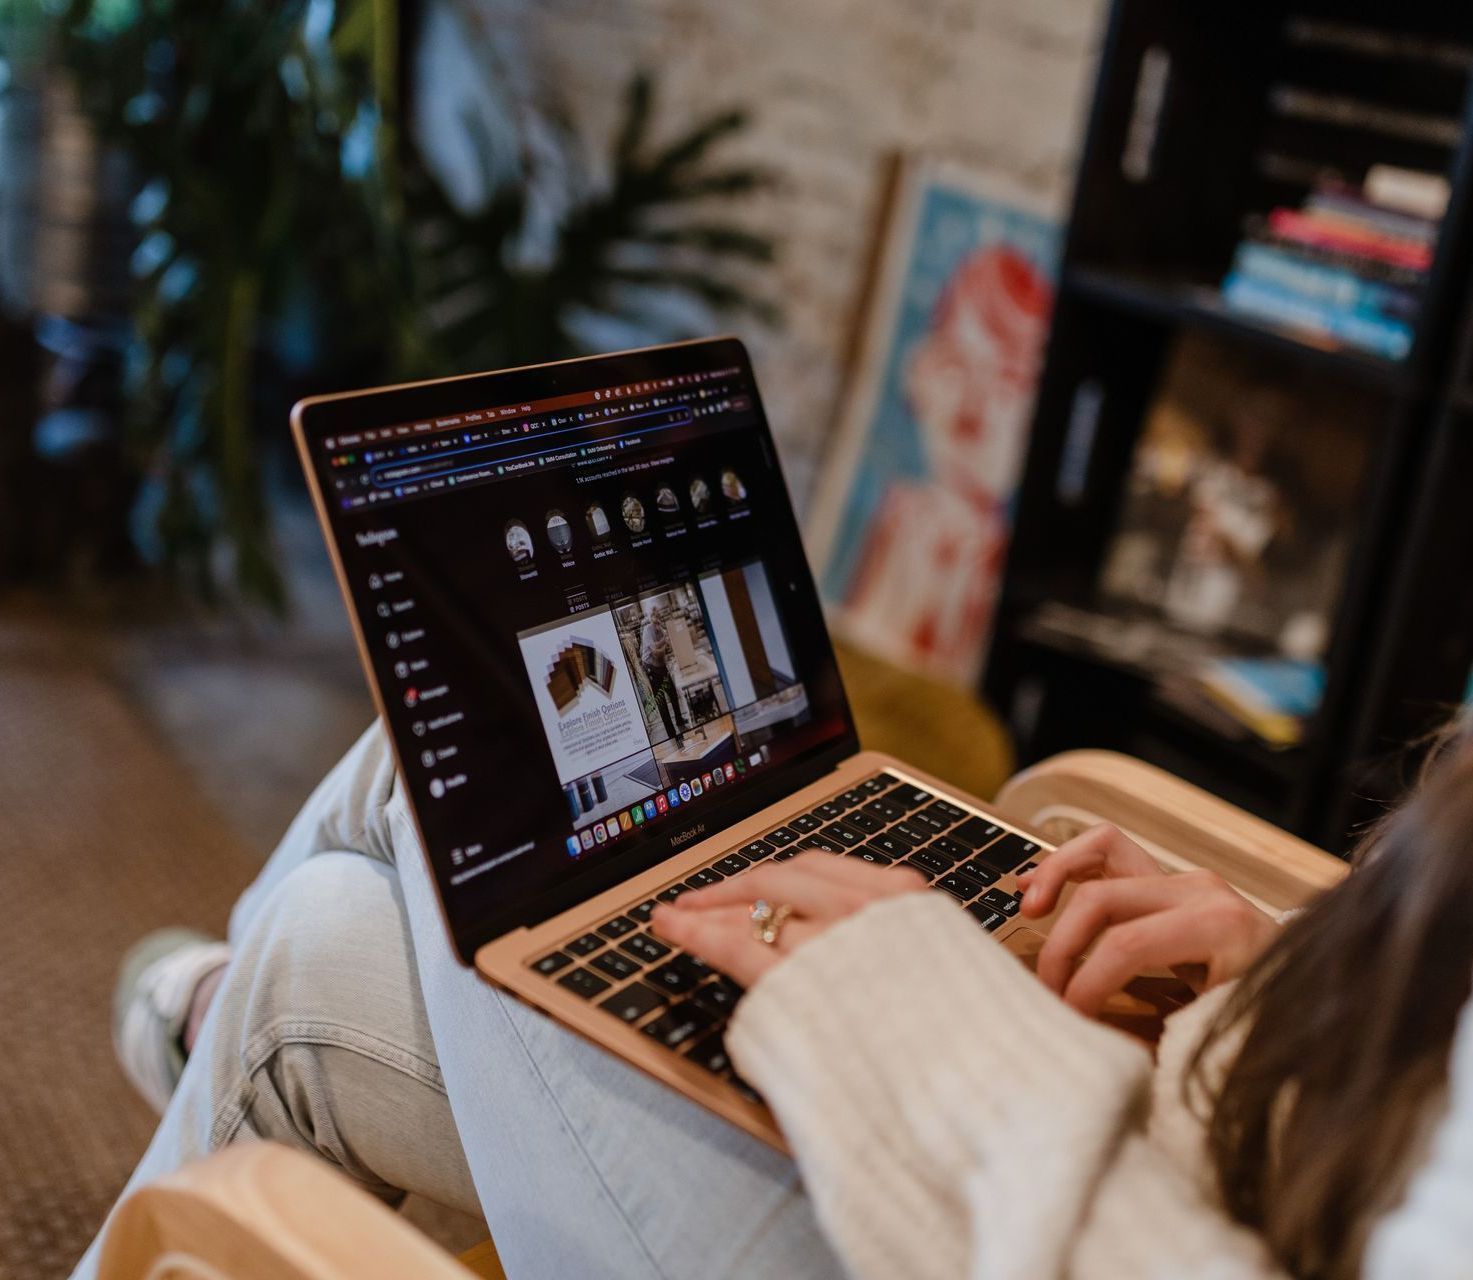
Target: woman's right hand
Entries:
(1136, 917)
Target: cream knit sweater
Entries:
(952, 1118)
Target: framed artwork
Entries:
(912, 514)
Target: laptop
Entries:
(582, 603)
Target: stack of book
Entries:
(1348, 266)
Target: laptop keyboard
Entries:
(683, 1004)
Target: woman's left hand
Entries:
(819, 890)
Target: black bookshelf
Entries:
(1196, 126)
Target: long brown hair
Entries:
(1346, 1023)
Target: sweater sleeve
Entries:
(953, 1118)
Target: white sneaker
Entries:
(156, 985)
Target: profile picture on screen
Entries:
(559, 532)
(518, 542)
(632, 509)
(598, 522)
(732, 488)
(700, 496)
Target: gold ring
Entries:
(768, 921)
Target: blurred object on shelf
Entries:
(1347, 267)
(1273, 699)
(1241, 501)
(912, 515)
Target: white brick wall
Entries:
(834, 86)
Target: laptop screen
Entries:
(583, 599)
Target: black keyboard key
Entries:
(979, 870)
(859, 818)
(844, 836)
(880, 782)
(643, 912)
(924, 821)
(820, 841)
(783, 836)
(976, 832)
(935, 813)
(711, 1054)
(644, 948)
(806, 822)
(673, 892)
(583, 983)
(718, 997)
(617, 927)
(550, 964)
(871, 854)
(908, 797)
(757, 849)
(782, 855)
(949, 848)
(884, 810)
(674, 1027)
(931, 861)
(961, 887)
(852, 798)
(1005, 904)
(732, 863)
(704, 878)
(1009, 852)
(632, 1003)
(986, 916)
(1026, 868)
(586, 945)
(616, 965)
(828, 811)
(947, 810)
(889, 842)
(909, 831)
(744, 1090)
(677, 976)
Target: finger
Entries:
(817, 885)
(723, 938)
(1100, 851)
(1159, 940)
(1094, 908)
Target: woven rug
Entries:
(102, 838)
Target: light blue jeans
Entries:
(345, 1026)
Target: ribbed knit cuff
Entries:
(924, 1076)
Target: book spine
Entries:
(1293, 225)
(1334, 286)
(1386, 222)
(1377, 334)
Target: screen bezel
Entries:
(316, 418)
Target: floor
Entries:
(151, 760)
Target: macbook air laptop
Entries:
(583, 606)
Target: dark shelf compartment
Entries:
(1188, 304)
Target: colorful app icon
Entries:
(661, 804)
(695, 787)
(730, 773)
(706, 781)
(625, 822)
(718, 777)
(754, 759)
(741, 766)
(574, 848)
(612, 826)
(650, 809)
(673, 795)
(599, 833)
(636, 814)
(587, 838)
(685, 792)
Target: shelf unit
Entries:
(1197, 124)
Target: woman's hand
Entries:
(716, 923)
(1136, 917)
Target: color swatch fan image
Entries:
(576, 664)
